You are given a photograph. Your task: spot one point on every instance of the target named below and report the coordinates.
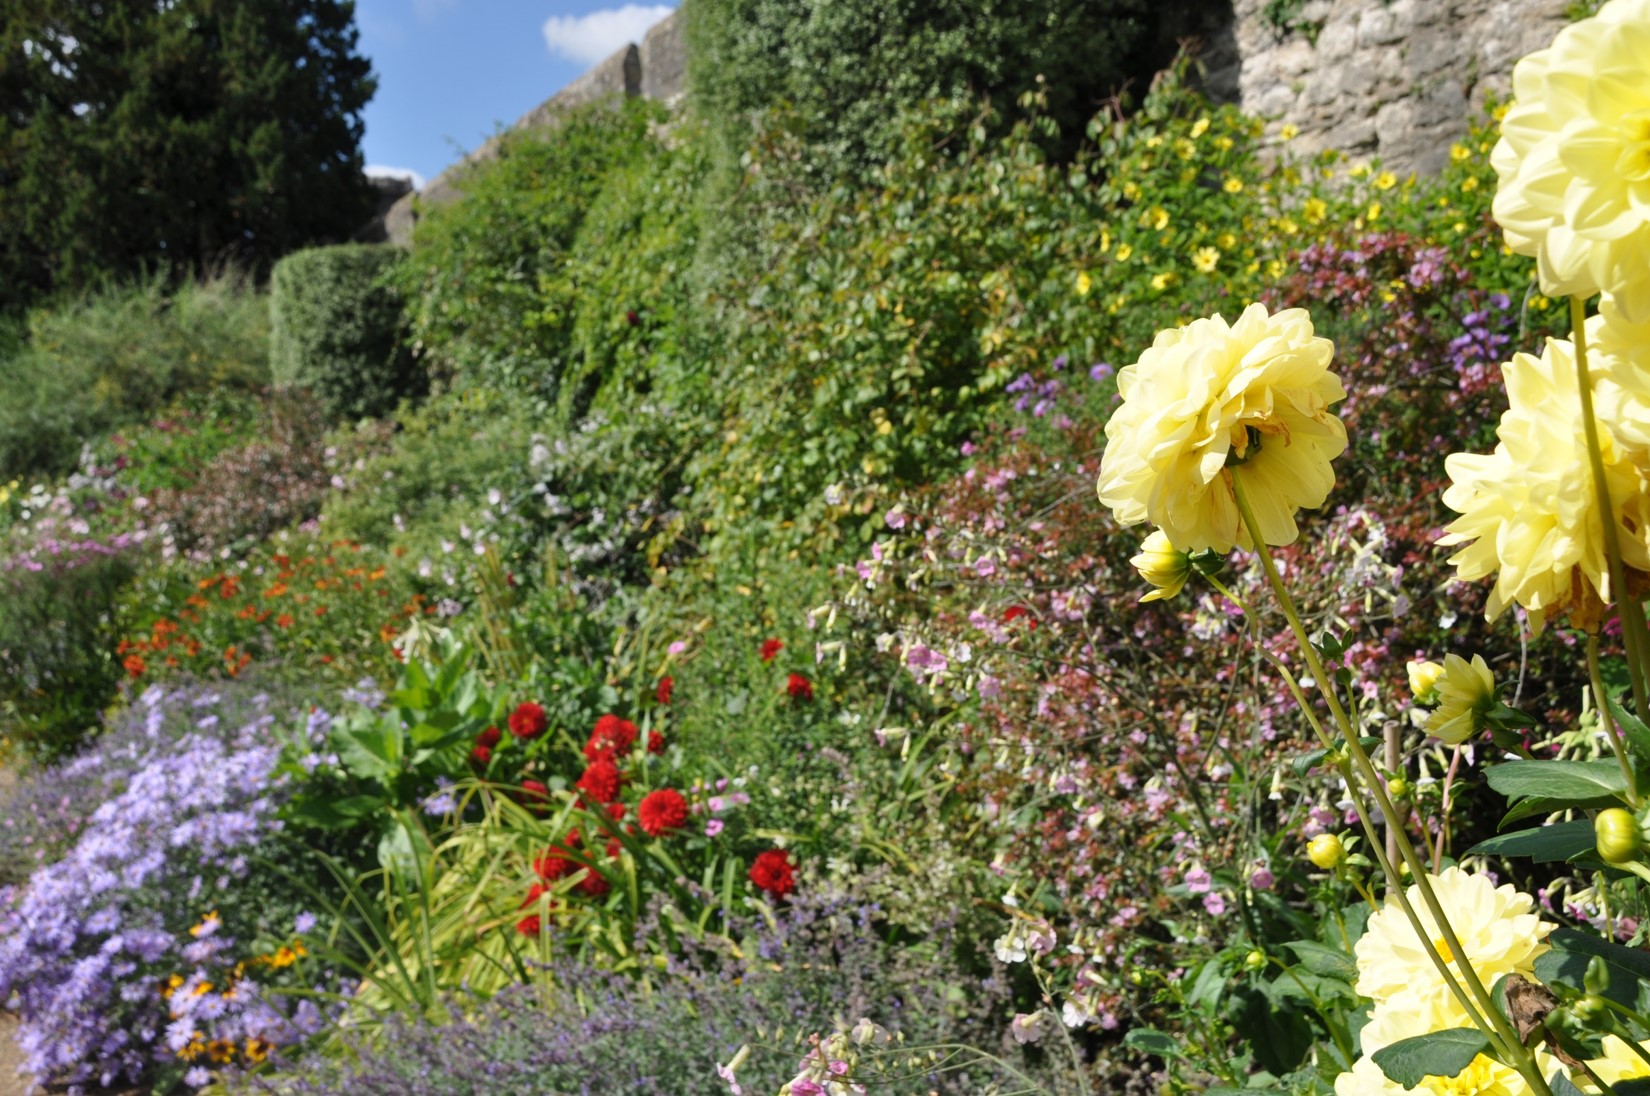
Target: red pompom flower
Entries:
(612, 738)
(528, 721)
(661, 812)
(799, 687)
(655, 742)
(534, 795)
(772, 871)
(481, 755)
(488, 738)
(601, 780)
(771, 649)
(530, 925)
(666, 686)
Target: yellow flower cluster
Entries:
(1574, 159)
(1573, 164)
(1211, 395)
(1499, 933)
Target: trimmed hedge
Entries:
(335, 329)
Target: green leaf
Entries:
(370, 752)
(1544, 844)
(1435, 1054)
(1566, 965)
(1539, 806)
(1556, 780)
(1637, 735)
(1280, 1037)
(1325, 960)
(1154, 1042)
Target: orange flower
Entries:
(320, 610)
(377, 573)
(276, 590)
(134, 665)
(283, 621)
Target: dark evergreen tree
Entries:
(190, 133)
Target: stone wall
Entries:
(657, 68)
(1394, 79)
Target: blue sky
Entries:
(449, 71)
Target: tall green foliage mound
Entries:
(115, 357)
(193, 132)
(335, 326)
(848, 67)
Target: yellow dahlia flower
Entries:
(1618, 356)
(1574, 159)
(1620, 1063)
(1484, 1077)
(1163, 565)
(1497, 927)
(1423, 680)
(1529, 514)
(1212, 394)
(1465, 693)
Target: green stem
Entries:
(1607, 720)
(1486, 1016)
(1633, 634)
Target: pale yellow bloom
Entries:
(1423, 681)
(1206, 259)
(1620, 1063)
(1618, 355)
(1209, 394)
(1289, 131)
(1162, 280)
(1084, 284)
(1199, 128)
(1574, 159)
(1406, 1017)
(1497, 928)
(1459, 153)
(1465, 692)
(1159, 218)
(1469, 184)
(1315, 210)
(1232, 185)
(1123, 252)
(1163, 565)
(1385, 181)
(1529, 512)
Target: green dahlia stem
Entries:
(1607, 721)
(1633, 634)
(1475, 1000)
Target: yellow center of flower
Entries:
(1633, 164)
(1444, 953)
(1476, 1079)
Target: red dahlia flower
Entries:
(555, 863)
(800, 687)
(601, 780)
(661, 812)
(534, 794)
(534, 893)
(612, 737)
(488, 738)
(771, 649)
(655, 742)
(530, 925)
(594, 885)
(528, 721)
(481, 755)
(772, 871)
(662, 693)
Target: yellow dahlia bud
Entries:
(1466, 693)
(1618, 835)
(1212, 394)
(1163, 565)
(1574, 157)
(1423, 681)
(1326, 851)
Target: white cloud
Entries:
(593, 37)
(381, 171)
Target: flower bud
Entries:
(1591, 1012)
(1398, 788)
(1163, 565)
(1597, 978)
(1326, 851)
(1255, 960)
(1466, 694)
(1423, 681)
(1618, 835)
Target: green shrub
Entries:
(473, 281)
(335, 329)
(849, 67)
(113, 357)
(58, 659)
